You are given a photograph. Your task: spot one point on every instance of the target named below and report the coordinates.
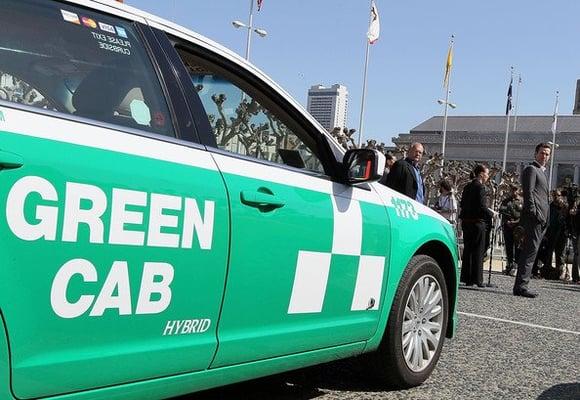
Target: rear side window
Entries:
(63, 58)
(245, 121)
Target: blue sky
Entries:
(323, 42)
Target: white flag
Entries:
(555, 117)
(375, 25)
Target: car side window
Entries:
(60, 57)
(242, 122)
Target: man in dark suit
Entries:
(575, 226)
(534, 217)
(474, 213)
(405, 175)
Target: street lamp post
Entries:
(250, 28)
(553, 142)
(554, 146)
(444, 139)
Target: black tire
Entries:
(389, 363)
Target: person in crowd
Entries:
(474, 212)
(575, 230)
(534, 217)
(446, 204)
(405, 175)
(390, 160)
(556, 237)
(510, 210)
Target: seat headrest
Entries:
(100, 92)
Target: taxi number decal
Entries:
(404, 208)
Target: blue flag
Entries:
(508, 106)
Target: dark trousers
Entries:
(473, 249)
(556, 243)
(576, 262)
(534, 231)
(508, 237)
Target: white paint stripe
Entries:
(369, 283)
(270, 173)
(309, 282)
(518, 323)
(62, 130)
(347, 234)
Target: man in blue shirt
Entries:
(405, 175)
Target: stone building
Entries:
(482, 139)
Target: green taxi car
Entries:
(174, 221)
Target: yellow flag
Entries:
(448, 65)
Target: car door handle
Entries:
(263, 199)
(10, 160)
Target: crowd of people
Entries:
(538, 227)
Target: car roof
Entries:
(127, 11)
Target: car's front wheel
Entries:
(416, 327)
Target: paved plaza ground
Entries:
(506, 348)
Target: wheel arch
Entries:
(444, 257)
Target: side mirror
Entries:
(363, 165)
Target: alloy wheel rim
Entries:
(422, 323)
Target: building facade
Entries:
(328, 106)
(482, 139)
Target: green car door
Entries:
(308, 255)
(307, 265)
(112, 261)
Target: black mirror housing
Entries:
(363, 165)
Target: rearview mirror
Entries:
(363, 165)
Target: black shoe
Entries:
(481, 285)
(525, 293)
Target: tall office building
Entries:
(576, 110)
(328, 105)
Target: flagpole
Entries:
(364, 92)
(554, 145)
(517, 101)
(372, 37)
(250, 28)
(507, 126)
(447, 90)
(505, 145)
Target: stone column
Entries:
(577, 174)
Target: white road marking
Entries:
(518, 323)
